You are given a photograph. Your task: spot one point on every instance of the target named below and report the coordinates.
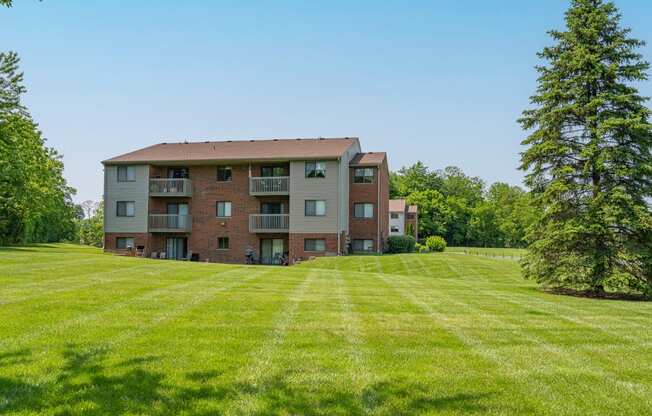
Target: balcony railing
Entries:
(170, 187)
(275, 185)
(269, 223)
(170, 223)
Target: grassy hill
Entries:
(82, 332)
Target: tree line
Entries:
(35, 199)
(462, 209)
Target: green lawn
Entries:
(82, 332)
(491, 252)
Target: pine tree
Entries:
(588, 159)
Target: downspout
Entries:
(378, 249)
(339, 204)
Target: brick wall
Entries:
(363, 228)
(383, 206)
(297, 251)
(415, 224)
(206, 227)
(140, 239)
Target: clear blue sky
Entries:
(439, 81)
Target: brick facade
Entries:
(376, 193)
(297, 251)
(140, 239)
(202, 239)
(412, 219)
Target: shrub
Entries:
(435, 243)
(421, 248)
(401, 244)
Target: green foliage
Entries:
(457, 207)
(436, 243)
(35, 200)
(415, 178)
(421, 248)
(401, 244)
(90, 230)
(410, 229)
(588, 156)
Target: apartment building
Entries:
(403, 218)
(278, 200)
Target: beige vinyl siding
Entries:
(397, 222)
(343, 201)
(302, 189)
(137, 191)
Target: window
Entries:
(394, 215)
(223, 243)
(363, 175)
(410, 216)
(315, 208)
(126, 174)
(124, 243)
(363, 245)
(178, 173)
(313, 244)
(272, 171)
(394, 229)
(126, 208)
(224, 173)
(223, 209)
(315, 169)
(364, 210)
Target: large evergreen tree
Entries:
(588, 157)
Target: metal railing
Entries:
(269, 223)
(170, 187)
(275, 185)
(170, 223)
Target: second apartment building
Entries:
(216, 201)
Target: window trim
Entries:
(364, 177)
(117, 209)
(217, 173)
(363, 210)
(126, 167)
(273, 168)
(217, 209)
(126, 247)
(313, 173)
(305, 208)
(306, 240)
(371, 250)
(228, 244)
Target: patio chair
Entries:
(154, 254)
(161, 255)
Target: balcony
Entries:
(170, 223)
(269, 223)
(179, 187)
(275, 185)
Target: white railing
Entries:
(275, 185)
(269, 223)
(170, 223)
(170, 187)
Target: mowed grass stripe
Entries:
(106, 304)
(441, 333)
(138, 320)
(549, 358)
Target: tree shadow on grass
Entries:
(85, 385)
